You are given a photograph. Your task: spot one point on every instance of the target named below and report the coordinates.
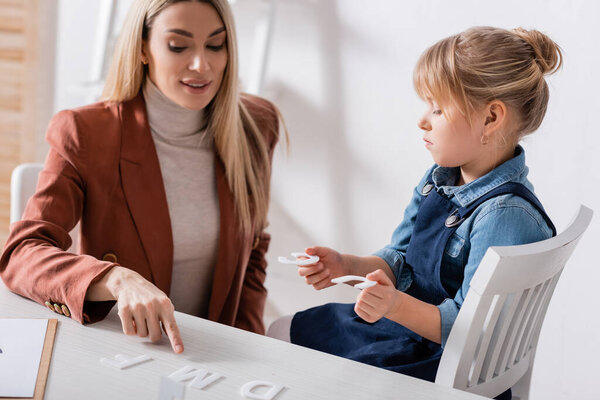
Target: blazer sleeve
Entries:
(254, 293)
(35, 263)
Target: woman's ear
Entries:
(143, 56)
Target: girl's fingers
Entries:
(310, 270)
(368, 302)
(322, 284)
(362, 312)
(376, 291)
(317, 251)
(380, 277)
(315, 278)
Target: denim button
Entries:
(427, 189)
(452, 220)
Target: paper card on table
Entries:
(22, 342)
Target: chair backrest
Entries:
(492, 344)
(23, 184)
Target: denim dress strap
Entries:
(517, 189)
(426, 247)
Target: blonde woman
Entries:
(484, 90)
(169, 176)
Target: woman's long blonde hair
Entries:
(239, 143)
(483, 64)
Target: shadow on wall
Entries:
(321, 158)
(317, 131)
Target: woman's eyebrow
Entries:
(217, 31)
(183, 32)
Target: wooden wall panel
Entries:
(19, 48)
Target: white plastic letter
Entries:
(365, 283)
(309, 261)
(274, 389)
(120, 361)
(170, 389)
(201, 376)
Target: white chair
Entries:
(492, 344)
(23, 183)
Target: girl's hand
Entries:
(329, 266)
(143, 307)
(378, 301)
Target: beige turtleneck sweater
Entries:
(186, 155)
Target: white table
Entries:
(76, 371)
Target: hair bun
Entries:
(547, 53)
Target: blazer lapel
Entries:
(145, 192)
(229, 245)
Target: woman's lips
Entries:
(196, 87)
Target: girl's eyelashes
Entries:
(437, 112)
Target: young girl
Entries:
(484, 90)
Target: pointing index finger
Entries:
(172, 331)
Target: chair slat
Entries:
(532, 341)
(512, 332)
(507, 312)
(533, 319)
(471, 336)
(529, 307)
(487, 332)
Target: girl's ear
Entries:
(495, 116)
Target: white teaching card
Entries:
(21, 345)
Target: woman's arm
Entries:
(35, 263)
(254, 294)
(143, 308)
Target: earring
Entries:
(144, 61)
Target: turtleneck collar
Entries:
(169, 121)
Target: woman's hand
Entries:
(142, 306)
(378, 301)
(329, 266)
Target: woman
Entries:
(170, 178)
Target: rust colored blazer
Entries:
(102, 168)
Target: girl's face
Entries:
(452, 141)
(186, 52)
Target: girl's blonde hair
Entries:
(483, 64)
(238, 141)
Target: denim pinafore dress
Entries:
(336, 329)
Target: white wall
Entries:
(341, 71)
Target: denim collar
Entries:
(445, 178)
